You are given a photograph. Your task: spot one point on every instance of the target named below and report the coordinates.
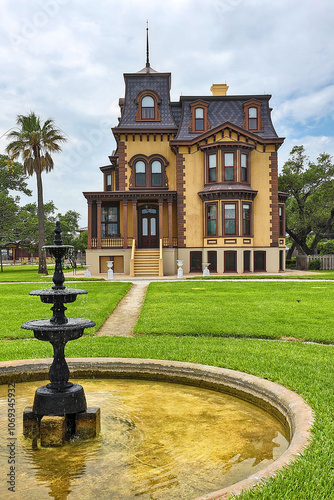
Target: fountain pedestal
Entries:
(59, 398)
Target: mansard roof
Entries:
(136, 83)
(223, 109)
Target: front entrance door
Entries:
(148, 224)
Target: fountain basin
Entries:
(288, 407)
(45, 330)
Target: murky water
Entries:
(158, 441)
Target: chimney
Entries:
(219, 89)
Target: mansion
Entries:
(193, 180)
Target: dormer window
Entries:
(199, 116)
(148, 106)
(252, 118)
(199, 119)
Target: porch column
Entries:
(170, 224)
(134, 219)
(161, 219)
(98, 224)
(90, 227)
(125, 223)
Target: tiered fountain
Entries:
(59, 398)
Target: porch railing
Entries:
(119, 242)
(111, 242)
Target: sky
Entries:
(65, 59)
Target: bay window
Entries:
(228, 164)
(211, 219)
(230, 219)
(246, 219)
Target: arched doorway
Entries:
(148, 226)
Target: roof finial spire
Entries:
(147, 48)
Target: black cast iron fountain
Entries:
(60, 397)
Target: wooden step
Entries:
(146, 262)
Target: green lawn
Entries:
(17, 306)
(240, 309)
(30, 273)
(180, 313)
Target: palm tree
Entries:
(35, 141)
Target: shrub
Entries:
(290, 263)
(314, 264)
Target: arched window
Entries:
(252, 119)
(149, 172)
(140, 173)
(156, 169)
(199, 119)
(147, 108)
(148, 103)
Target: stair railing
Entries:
(161, 262)
(132, 260)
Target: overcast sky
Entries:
(65, 59)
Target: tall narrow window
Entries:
(212, 168)
(109, 222)
(230, 260)
(252, 119)
(147, 108)
(244, 167)
(108, 182)
(259, 261)
(228, 166)
(230, 222)
(140, 173)
(199, 119)
(212, 258)
(195, 261)
(156, 169)
(247, 261)
(211, 220)
(246, 219)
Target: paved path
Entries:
(123, 319)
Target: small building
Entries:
(195, 179)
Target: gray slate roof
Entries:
(177, 115)
(225, 109)
(146, 81)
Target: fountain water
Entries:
(59, 398)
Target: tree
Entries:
(310, 206)
(8, 220)
(12, 177)
(35, 141)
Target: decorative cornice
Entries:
(222, 191)
(135, 195)
(230, 126)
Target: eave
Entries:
(219, 191)
(231, 127)
(136, 195)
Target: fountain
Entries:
(60, 398)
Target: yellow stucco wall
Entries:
(147, 148)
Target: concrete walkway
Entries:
(123, 319)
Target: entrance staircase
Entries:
(146, 262)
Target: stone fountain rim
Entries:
(286, 405)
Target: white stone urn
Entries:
(206, 271)
(110, 264)
(179, 268)
(88, 274)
